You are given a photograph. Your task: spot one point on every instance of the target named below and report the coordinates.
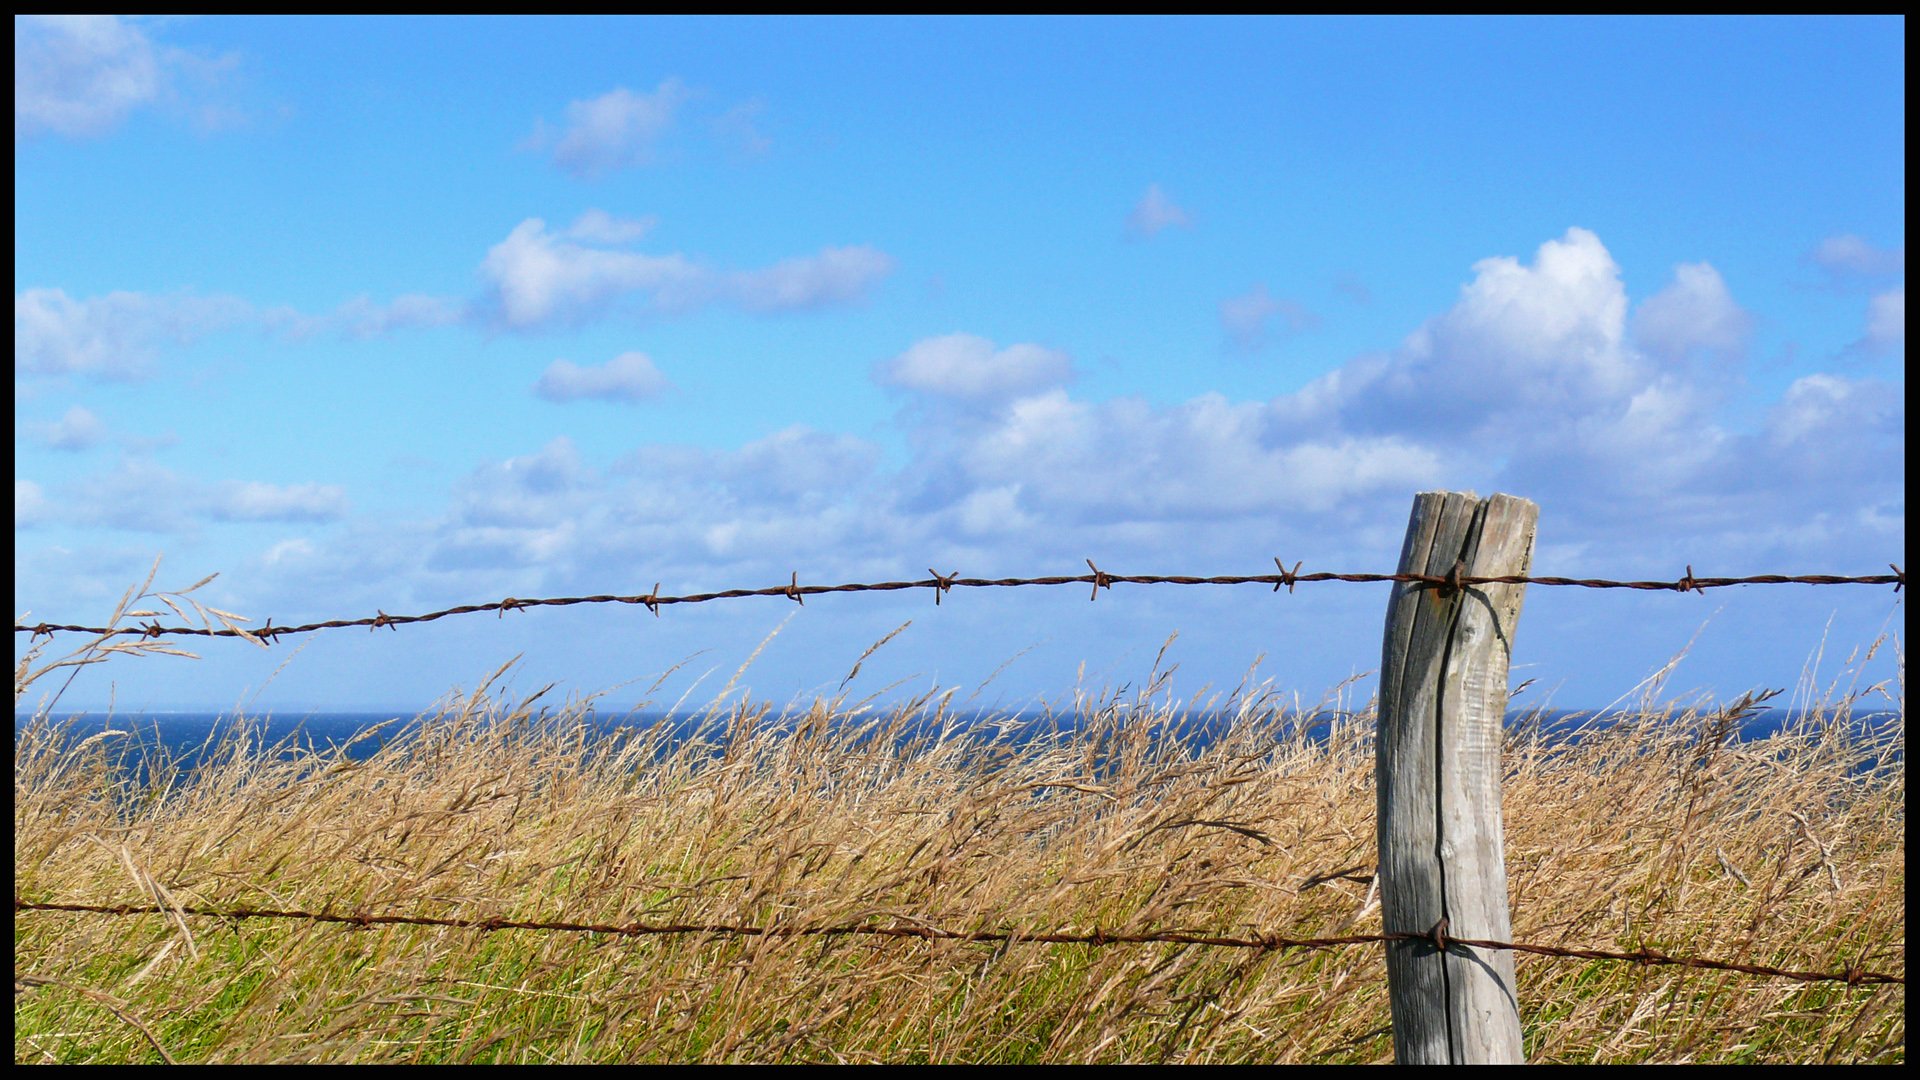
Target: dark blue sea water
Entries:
(186, 735)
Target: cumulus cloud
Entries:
(79, 75)
(1887, 321)
(1554, 329)
(1830, 442)
(629, 377)
(1695, 314)
(78, 429)
(968, 368)
(115, 336)
(617, 130)
(1536, 381)
(1246, 317)
(1849, 255)
(536, 278)
(1155, 212)
(1525, 346)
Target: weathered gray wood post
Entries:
(1443, 695)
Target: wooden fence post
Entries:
(1443, 696)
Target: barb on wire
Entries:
(941, 584)
(1289, 578)
(1454, 579)
(1853, 975)
(1101, 580)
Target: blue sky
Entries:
(397, 314)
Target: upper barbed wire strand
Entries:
(942, 584)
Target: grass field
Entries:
(1665, 832)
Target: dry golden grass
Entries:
(1664, 832)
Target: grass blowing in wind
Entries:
(966, 838)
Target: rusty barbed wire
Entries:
(941, 584)
(1262, 940)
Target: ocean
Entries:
(187, 735)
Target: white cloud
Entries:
(967, 367)
(1834, 423)
(362, 317)
(837, 275)
(1887, 320)
(114, 336)
(78, 429)
(79, 75)
(631, 376)
(290, 553)
(251, 500)
(1155, 212)
(533, 277)
(1696, 313)
(1245, 317)
(671, 509)
(1847, 254)
(535, 490)
(1524, 349)
(536, 278)
(1831, 449)
(599, 227)
(139, 496)
(1556, 325)
(797, 463)
(1209, 458)
(29, 504)
(994, 511)
(117, 336)
(616, 130)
